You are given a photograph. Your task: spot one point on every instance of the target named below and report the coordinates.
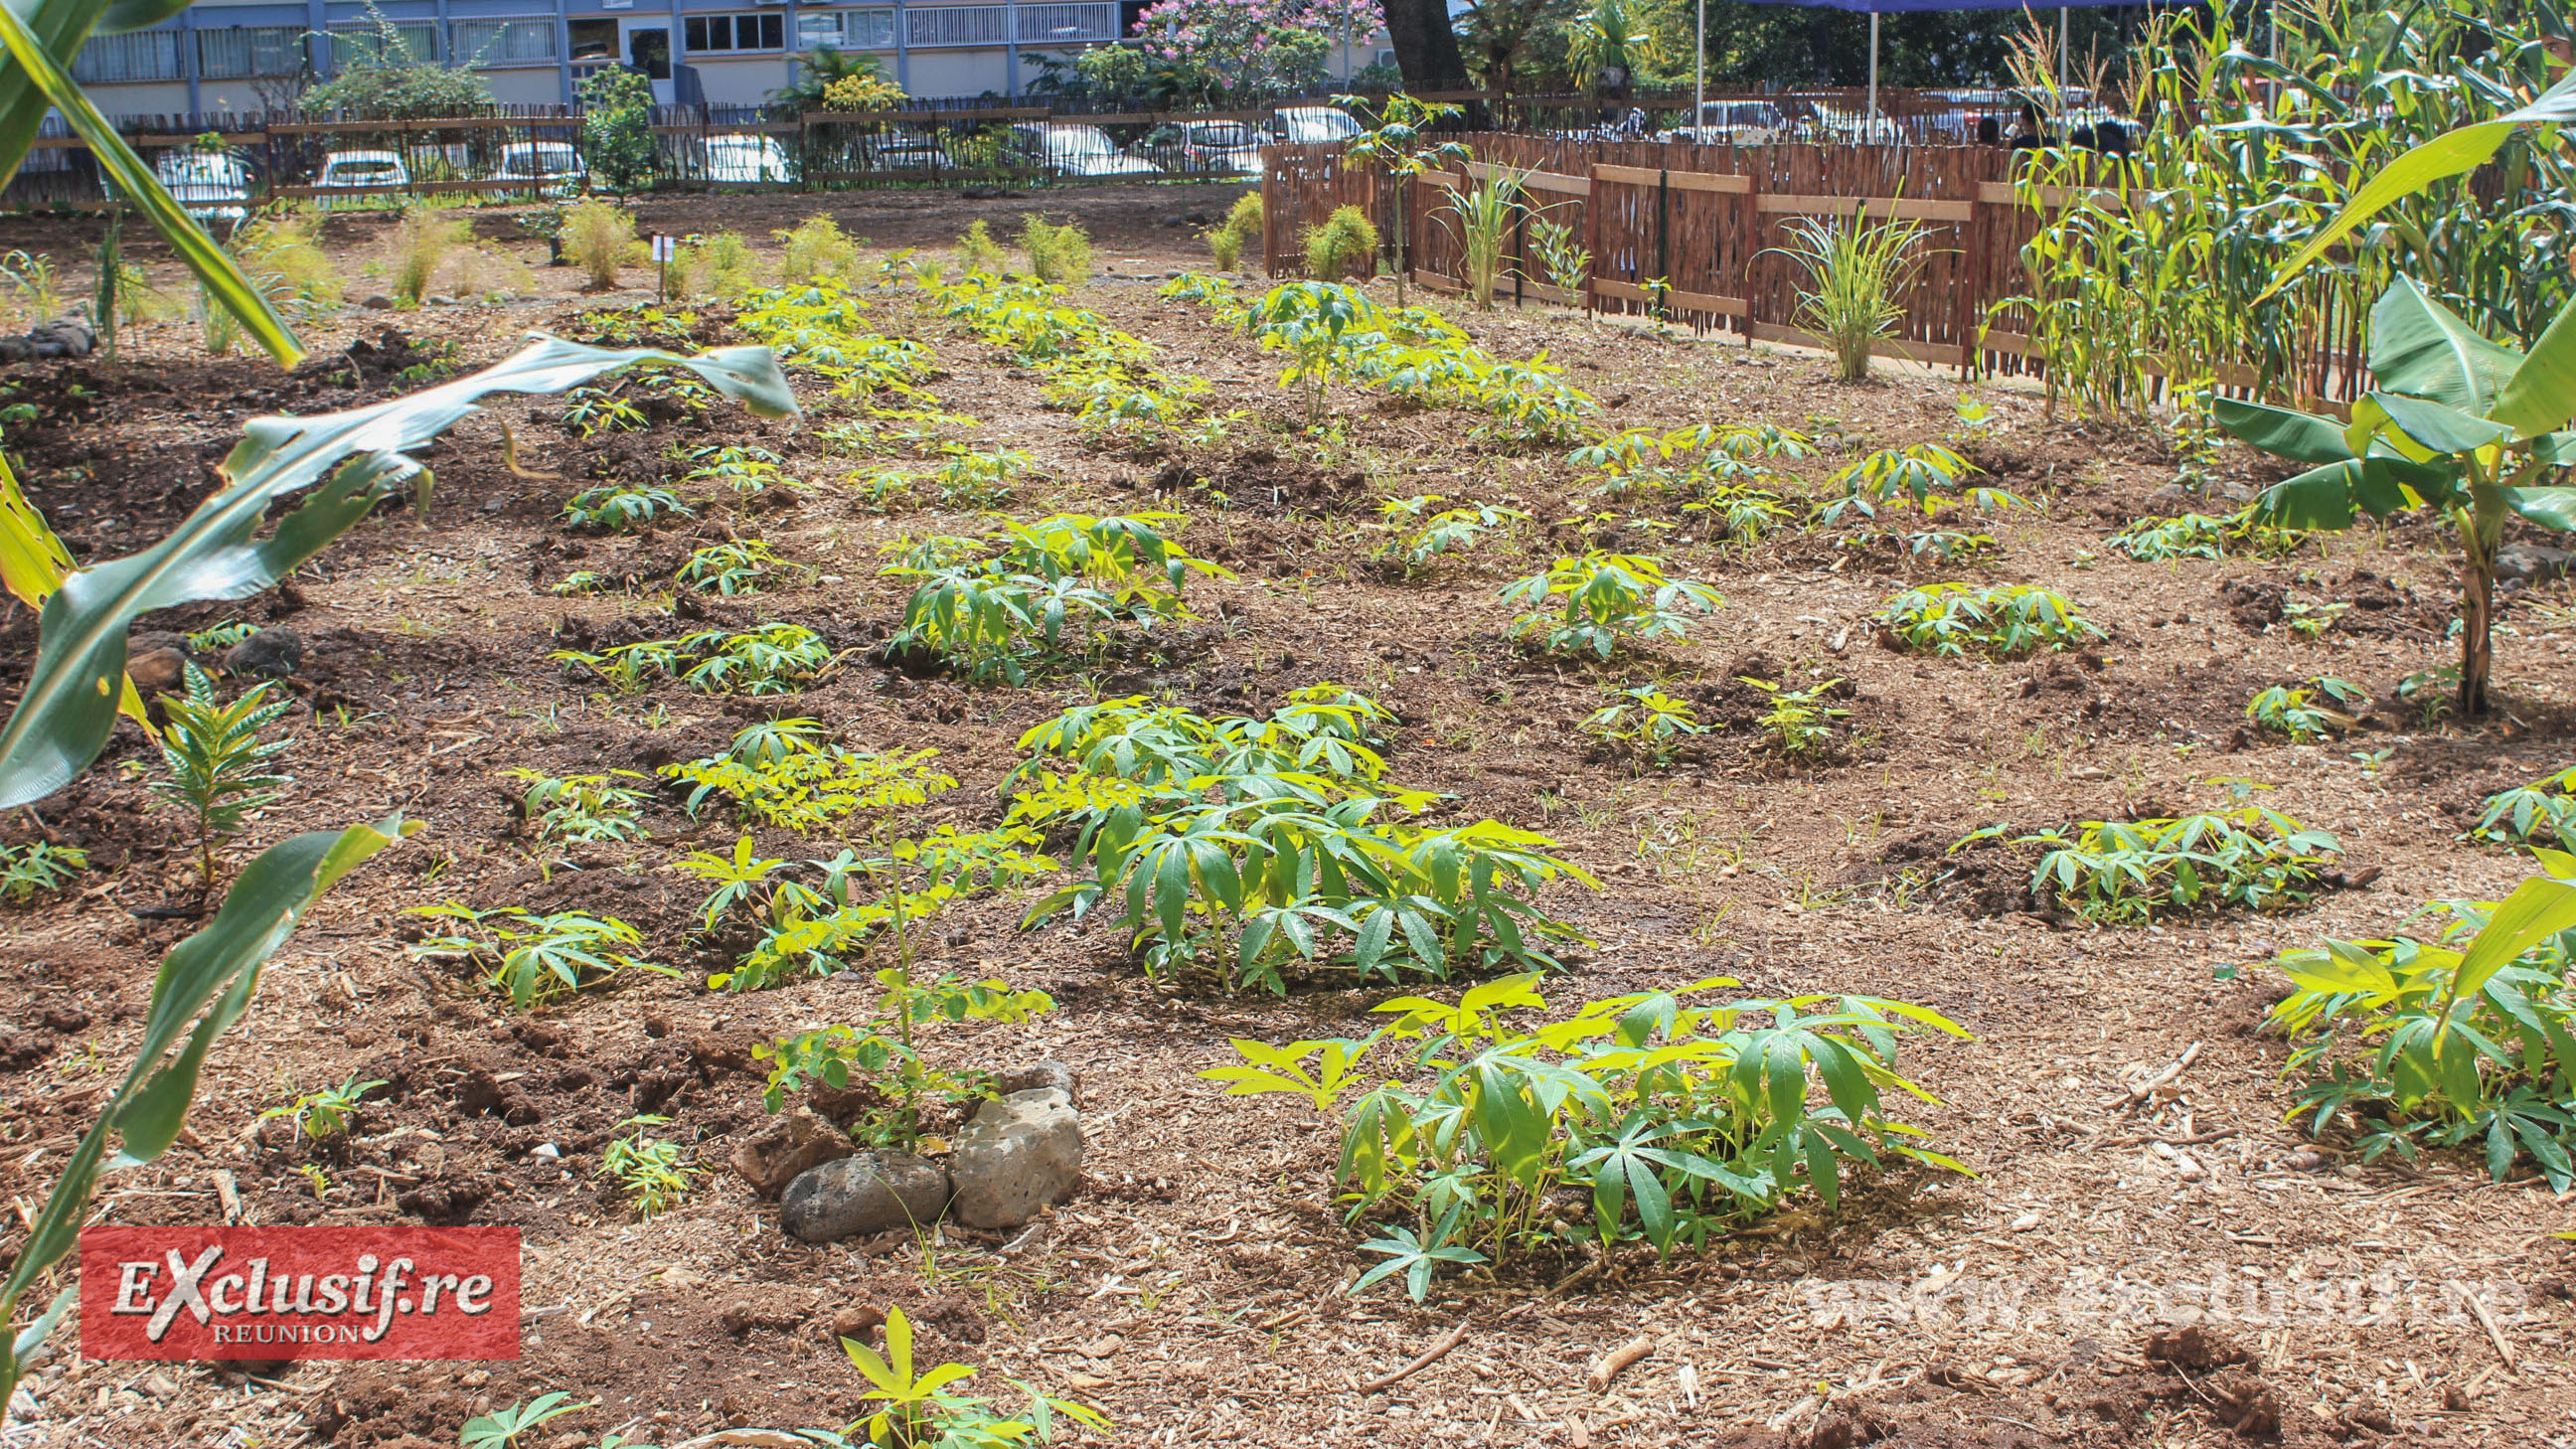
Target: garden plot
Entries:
(1853, 826)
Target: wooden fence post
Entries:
(1748, 231)
(1976, 240)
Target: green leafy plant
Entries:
(2130, 870)
(537, 958)
(920, 1411)
(787, 775)
(818, 250)
(1568, 264)
(2524, 815)
(1857, 277)
(2311, 621)
(1482, 217)
(744, 472)
(1674, 1118)
(581, 808)
(326, 1113)
(2004, 619)
(2299, 713)
(1418, 537)
(885, 1052)
(740, 566)
(1644, 723)
(978, 252)
(764, 659)
(617, 507)
(1799, 722)
(617, 127)
(502, 1428)
(217, 761)
(204, 985)
(2459, 424)
(1595, 602)
(1059, 254)
(1344, 244)
(2199, 535)
(1401, 144)
(2466, 1038)
(70, 700)
(37, 868)
(652, 1173)
(997, 617)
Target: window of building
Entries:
(140, 55)
(237, 52)
(845, 29)
(593, 40)
(400, 44)
(503, 42)
(708, 33)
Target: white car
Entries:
(1079, 151)
(210, 187)
(744, 157)
(356, 173)
(553, 167)
(1735, 123)
(1307, 124)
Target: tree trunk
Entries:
(2477, 645)
(1426, 48)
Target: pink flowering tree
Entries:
(1242, 49)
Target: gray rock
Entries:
(870, 1192)
(273, 652)
(789, 1150)
(379, 302)
(2534, 563)
(1034, 1075)
(1019, 1155)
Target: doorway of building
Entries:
(648, 50)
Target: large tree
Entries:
(1426, 48)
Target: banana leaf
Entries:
(37, 81)
(203, 987)
(63, 719)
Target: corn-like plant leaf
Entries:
(62, 720)
(203, 987)
(34, 563)
(2538, 909)
(215, 269)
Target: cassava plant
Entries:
(1593, 603)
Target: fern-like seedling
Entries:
(218, 763)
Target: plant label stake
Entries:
(664, 248)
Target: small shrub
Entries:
(818, 250)
(1799, 723)
(2200, 535)
(1568, 266)
(617, 507)
(2297, 713)
(1667, 1120)
(1225, 248)
(578, 808)
(1416, 542)
(1594, 603)
(1857, 277)
(599, 236)
(731, 267)
(1345, 244)
(1644, 723)
(422, 243)
(217, 761)
(2127, 871)
(537, 958)
(2545, 809)
(2002, 619)
(884, 1053)
(766, 659)
(2467, 1037)
(979, 254)
(1059, 255)
(324, 1114)
(744, 566)
(651, 1173)
(37, 868)
(1245, 218)
(796, 781)
(591, 411)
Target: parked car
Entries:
(360, 172)
(1307, 124)
(904, 151)
(744, 157)
(1079, 151)
(553, 167)
(209, 186)
(1832, 127)
(1209, 148)
(1734, 123)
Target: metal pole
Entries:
(1699, 73)
(1011, 19)
(2062, 43)
(1873, 65)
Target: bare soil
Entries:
(1193, 1289)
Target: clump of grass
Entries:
(1243, 222)
(283, 251)
(599, 236)
(1857, 275)
(1345, 245)
(819, 249)
(978, 252)
(423, 240)
(1225, 248)
(726, 263)
(1057, 254)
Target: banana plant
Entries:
(63, 719)
(2459, 423)
(34, 32)
(205, 984)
